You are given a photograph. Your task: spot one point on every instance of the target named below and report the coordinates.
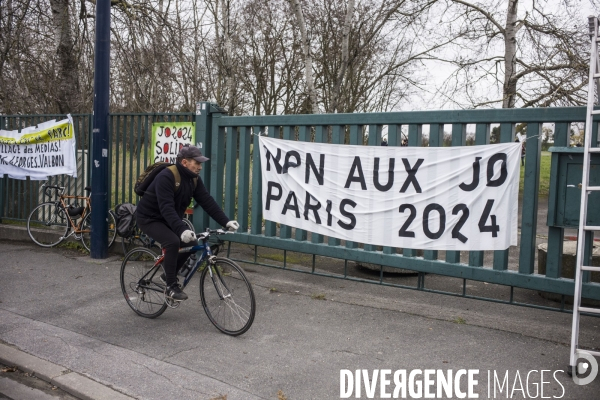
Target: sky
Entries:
(437, 72)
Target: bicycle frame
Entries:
(62, 205)
(205, 257)
(86, 210)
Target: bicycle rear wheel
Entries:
(47, 224)
(227, 297)
(86, 238)
(140, 283)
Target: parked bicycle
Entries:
(54, 221)
(225, 291)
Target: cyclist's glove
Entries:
(233, 226)
(188, 236)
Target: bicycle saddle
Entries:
(75, 211)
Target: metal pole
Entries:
(100, 145)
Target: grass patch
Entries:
(544, 175)
(273, 290)
(295, 258)
(459, 320)
(71, 245)
(319, 296)
(13, 222)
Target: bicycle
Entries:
(58, 219)
(226, 293)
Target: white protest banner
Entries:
(39, 152)
(169, 137)
(433, 198)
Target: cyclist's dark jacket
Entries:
(162, 203)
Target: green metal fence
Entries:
(234, 180)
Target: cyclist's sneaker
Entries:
(174, 292)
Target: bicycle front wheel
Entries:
(86, 237)
(227, 297)
(140, 283)
(47, 224)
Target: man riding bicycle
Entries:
(160, 212)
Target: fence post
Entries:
(203, 138)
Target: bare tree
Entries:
(251, 56)
(308, 68)
(368, 56)
(536, 57)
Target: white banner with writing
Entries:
(39, 151)
(433, 198)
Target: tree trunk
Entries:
(345, 56)
(228, 57)
(308, 72)
(509, 91)
(68, 97)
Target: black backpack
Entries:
(125, 213)
(146, 178)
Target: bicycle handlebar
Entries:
(47, 189)
(204, 235)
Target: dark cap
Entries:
(191, 152)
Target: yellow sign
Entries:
(60, 131)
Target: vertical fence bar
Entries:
(124, 154)
(459, 138)
(217, 160)
(231, 171)
(270, 226)
(303, 136)
(355, 138)
(136, 151)
(556, 235)
(204, 138)
(436, 139)
(530, 198)
(507, 134)
(256, 217)
(337, 137)
(320, 137)
(117, 159)
(146, 145)
(130, 151)
(393, 139)
(373, 140)
(285, 232)
(244, 178)
(415, 139)
(482, 137)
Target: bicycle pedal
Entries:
(172, 303)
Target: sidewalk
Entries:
(68, 309)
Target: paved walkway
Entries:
(66, 311)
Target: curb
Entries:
(71, 382)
